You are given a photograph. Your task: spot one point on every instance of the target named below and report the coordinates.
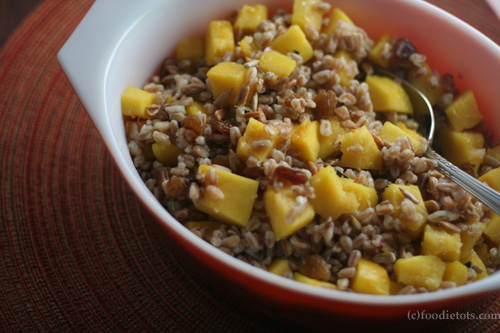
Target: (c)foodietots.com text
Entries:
(450, 315)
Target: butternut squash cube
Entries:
(492, 178)
(395, 197)
(345, 75)
(134, 102)
(313, 282)
(166, 154)
(227, 76)
(395, 287)
(388, 95)
(420, 271)
(335, 196)
(249, 17)
(335, 16)
(287, 212)
(235, 205)
(370, 278)
(493, 152)
(462, 147)
(482, 251)
(468, 240)
(277, 63)
(492, 230)
(463, 112)
(305, 12)
(279, 267)
(293, 40)
(427, 81)
(412, 134)
(246, 45)
(377, 53)
(218, 40)
(250, 144)
(190, 49)
(472, 259)
(194, 108)
(305, 139)
(391, 133)
(441, 243)
(455, 272)
(327, 143)
(359, 150)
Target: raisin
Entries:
(316, 267)
(161, 174)
(404, 48)
(221, 126)
(192, 123)
(326, 103)
(294, 176)
(177, 187)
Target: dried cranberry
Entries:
(290, 175)
(326, 103)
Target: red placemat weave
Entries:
(77, 250)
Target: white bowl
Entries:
(121, 43)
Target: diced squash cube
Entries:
(455, 272)
(359, 150)
(287, 212)
(327, 143)
(336, 16)
(350, 68)
(420, 271)
(194, 108)
(190, 49)
(255, 132)
(293, 40)
(203, 225)
(227, 76)
(277, 63)
(218, 40)
(313, 282)
(427, 81)
(238, 196)
(462, 147)
(134, 102)
(388, 95)
(279, 267)
(395, 197)
(470, 236)
(492, 230)
(493, 153)
(391, 132)
(473, 260)
(463, 112)
(482, 251)
(395, 287)
(413, 135)
(370, 278)
(249, 17)
(305, 139)
(246, 45)
(492, 178)
(441, 243)
(166, 154)
(306, 12)
(335, 196)
(377, 53)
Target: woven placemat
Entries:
(78, 252)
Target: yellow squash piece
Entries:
(388, 95)
(166, 154)
(227, 76)
(306, 12)
(250, 144)
(492, 178)
(473, 260)
(249, 17)
(482, 251)
(134, 102)
(412, 134)
(305, 139)
(441, 243)
(391, 133)
(279, 267)
(277, 63)
(238, 196)
(377, 53)
(359, 150)
(394, 195)
(313, 282)
(327, 143)
(420, 271)
(455, 272)
(286, 214)
(336, 16)
(194, 108)
(493, 153)
(190, 49)
(463, 112)
(492, 230)
(462, 147)
(427, 81)
(335, 196)
(345, 75)
(218, 40)
(468, 241)
(395, 287)
(293, 40)
(246, 45)
(370, 278)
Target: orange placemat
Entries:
(78, 252)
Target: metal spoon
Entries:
(423, 114)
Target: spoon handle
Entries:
(482, 192)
